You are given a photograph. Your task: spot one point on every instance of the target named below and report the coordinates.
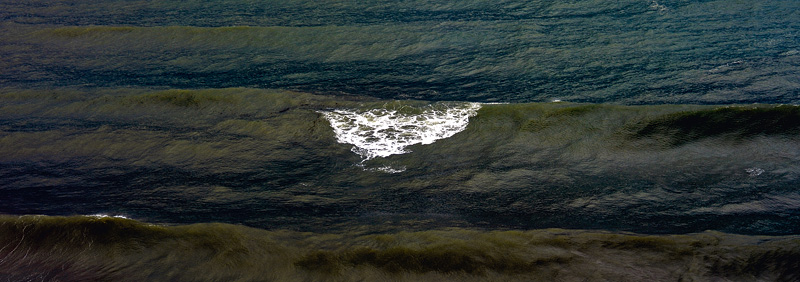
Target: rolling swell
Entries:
(105, 248)
(734, 122)
(631, 52)
(235, 155)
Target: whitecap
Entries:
(388, 169)
(101, 215)
(385, 131)
(754, 171)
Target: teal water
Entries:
(631, 52)
(411, 140)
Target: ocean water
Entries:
(400, 141)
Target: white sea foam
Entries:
(754, 171)
(384, 132)
(101, 215)
(658, 7)
(388, 169)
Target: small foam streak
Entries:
(100, 215)
(768, 204)
(388, 169)
(385, 132)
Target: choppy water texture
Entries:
(411, 140)
(633, 51)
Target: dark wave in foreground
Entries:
(81, 248)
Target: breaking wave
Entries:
(388, 131)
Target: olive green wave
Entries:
(739, 122)
(125, 115)
(117, 249)
(541, 164)
(671, 124)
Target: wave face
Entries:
(511, 140)
(83, 248)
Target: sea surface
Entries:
(474, 140)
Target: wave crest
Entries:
(387, 131)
